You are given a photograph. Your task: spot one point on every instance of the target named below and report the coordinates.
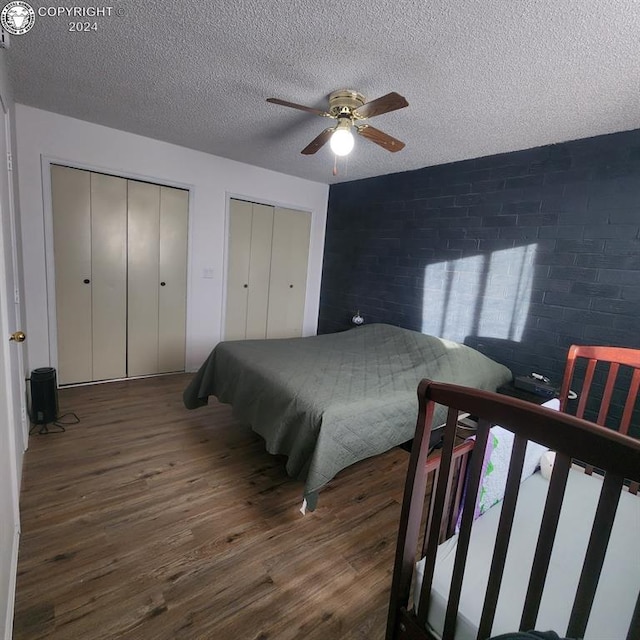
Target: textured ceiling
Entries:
(481, 76)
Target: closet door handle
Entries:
(163, 284)
(245, 285)
(290, 286)
(86, 281)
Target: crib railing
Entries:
(617, 455)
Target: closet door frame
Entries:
(45, 163)
(227, 222)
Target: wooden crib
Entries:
(539, 592)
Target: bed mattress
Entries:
(618, 586)
(329, 401)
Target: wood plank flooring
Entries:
(150, 521)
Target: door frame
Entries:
(20, 319)
(50, 284)
(225, 258)
(8, 434)
(9, 312)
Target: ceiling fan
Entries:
(349, 108)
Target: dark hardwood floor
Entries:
(150, 521)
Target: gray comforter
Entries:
(331, 400)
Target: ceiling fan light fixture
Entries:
(342, 141)
(349, 107)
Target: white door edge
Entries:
(8, 628)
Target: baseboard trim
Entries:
(71, 385)
(8, 630)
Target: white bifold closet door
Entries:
(108, 276)
(120, 249)
(157, 258)
(144, 277)
(172, 299)
(239, 257)
(71, 198)
(288, 278)
(250, 230)
(268, 251)
(89, 228)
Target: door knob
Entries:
(18, 336)
(86, 281)
(163, 284)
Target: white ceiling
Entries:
(481, 76)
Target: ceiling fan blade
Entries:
(390, 102)
(301, 107)
(317, 143)
(380, 137)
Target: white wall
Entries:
(44, 135)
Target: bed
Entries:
(557, 552)
(329, 401)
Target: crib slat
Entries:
(634, 627)
(634, 387)
(475, 470)
(582, 403)
(411, 513)
(629, 405)
(566, 380)
(546, 538)
(459, 464)
(608, 392)
(429, 508)
(503, 536)
(594, 557)
(444, 523)
(449, 438)
(586, 387)
(462, 469)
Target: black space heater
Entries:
(44, 398)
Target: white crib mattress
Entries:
(619, 582)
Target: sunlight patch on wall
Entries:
(482, 295)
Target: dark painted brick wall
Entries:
(518, 254)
